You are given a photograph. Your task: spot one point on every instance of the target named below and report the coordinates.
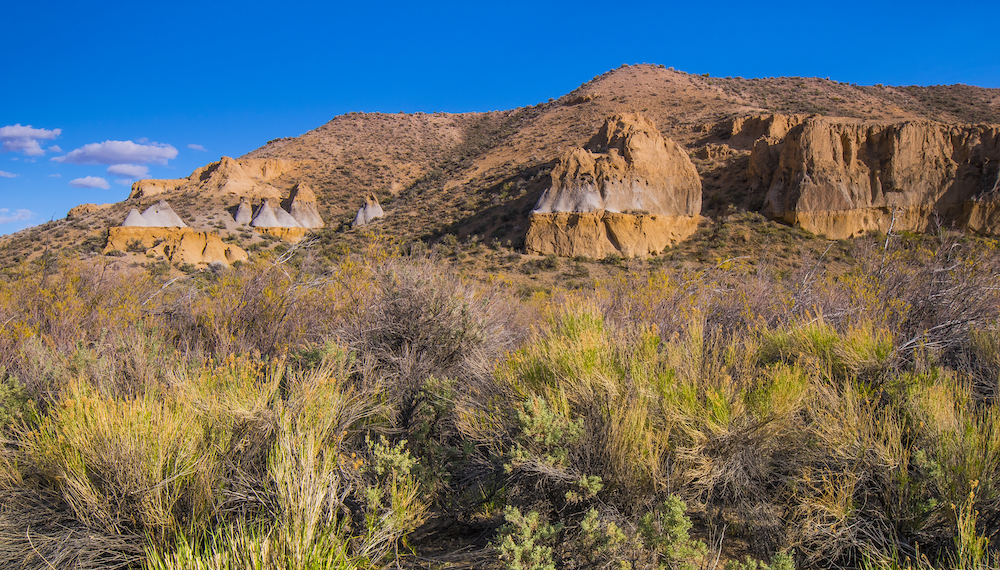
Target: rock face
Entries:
(179, 245)
(301, 204)
(629, 192)
(368, 212)
(159, 215)
(843, 177)
(246, 178)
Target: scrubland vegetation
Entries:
(375, 409)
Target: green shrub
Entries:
(525, 542)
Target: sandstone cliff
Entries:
(179, 245)
(629, 191)
(842, 177)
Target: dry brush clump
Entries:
(297, 413)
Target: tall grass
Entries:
(305, 413)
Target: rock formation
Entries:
(246, 178)
(629, 192)
(178, 245)
(301, 204)
(134, 220)
(244, 212)
(843, 177)
(84, 209)
(160, 215)
(368, 212)
(270, 217)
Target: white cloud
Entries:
(132, 170)
(54, 148)
(6, 216)
(124, 181)
(24, 139)
(5, 174)
(90, 182)
(55, 175)
(119, 152)
(197, 147)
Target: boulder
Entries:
(368, 212)
(178, 245)
(160, 215)
(639, 191)
(842, 177)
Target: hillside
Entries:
(481, 173)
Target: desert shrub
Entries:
(525, 542)
(16, 405)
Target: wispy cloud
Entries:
(55, 175)
(90, 182)
(197, 147)
(120, 152)
(131, 170)
(5, 174)
(24, 139)
(124, 181)
(7, 216)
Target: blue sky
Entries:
(115, 91)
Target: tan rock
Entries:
(150, 187)
(630, 192)
(984, 217)
(291, 235)
(84, 209)
(179, 245)
(597, 234)
(628, 167)
(246, 178)
(843, 177)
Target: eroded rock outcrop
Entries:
(178, 245)
(268, 216)
(244, 213)
(246, 178)
(369, 211)
(843, 177)
(301, 204)
(159, 215)
(629, 191)
(84, 209)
